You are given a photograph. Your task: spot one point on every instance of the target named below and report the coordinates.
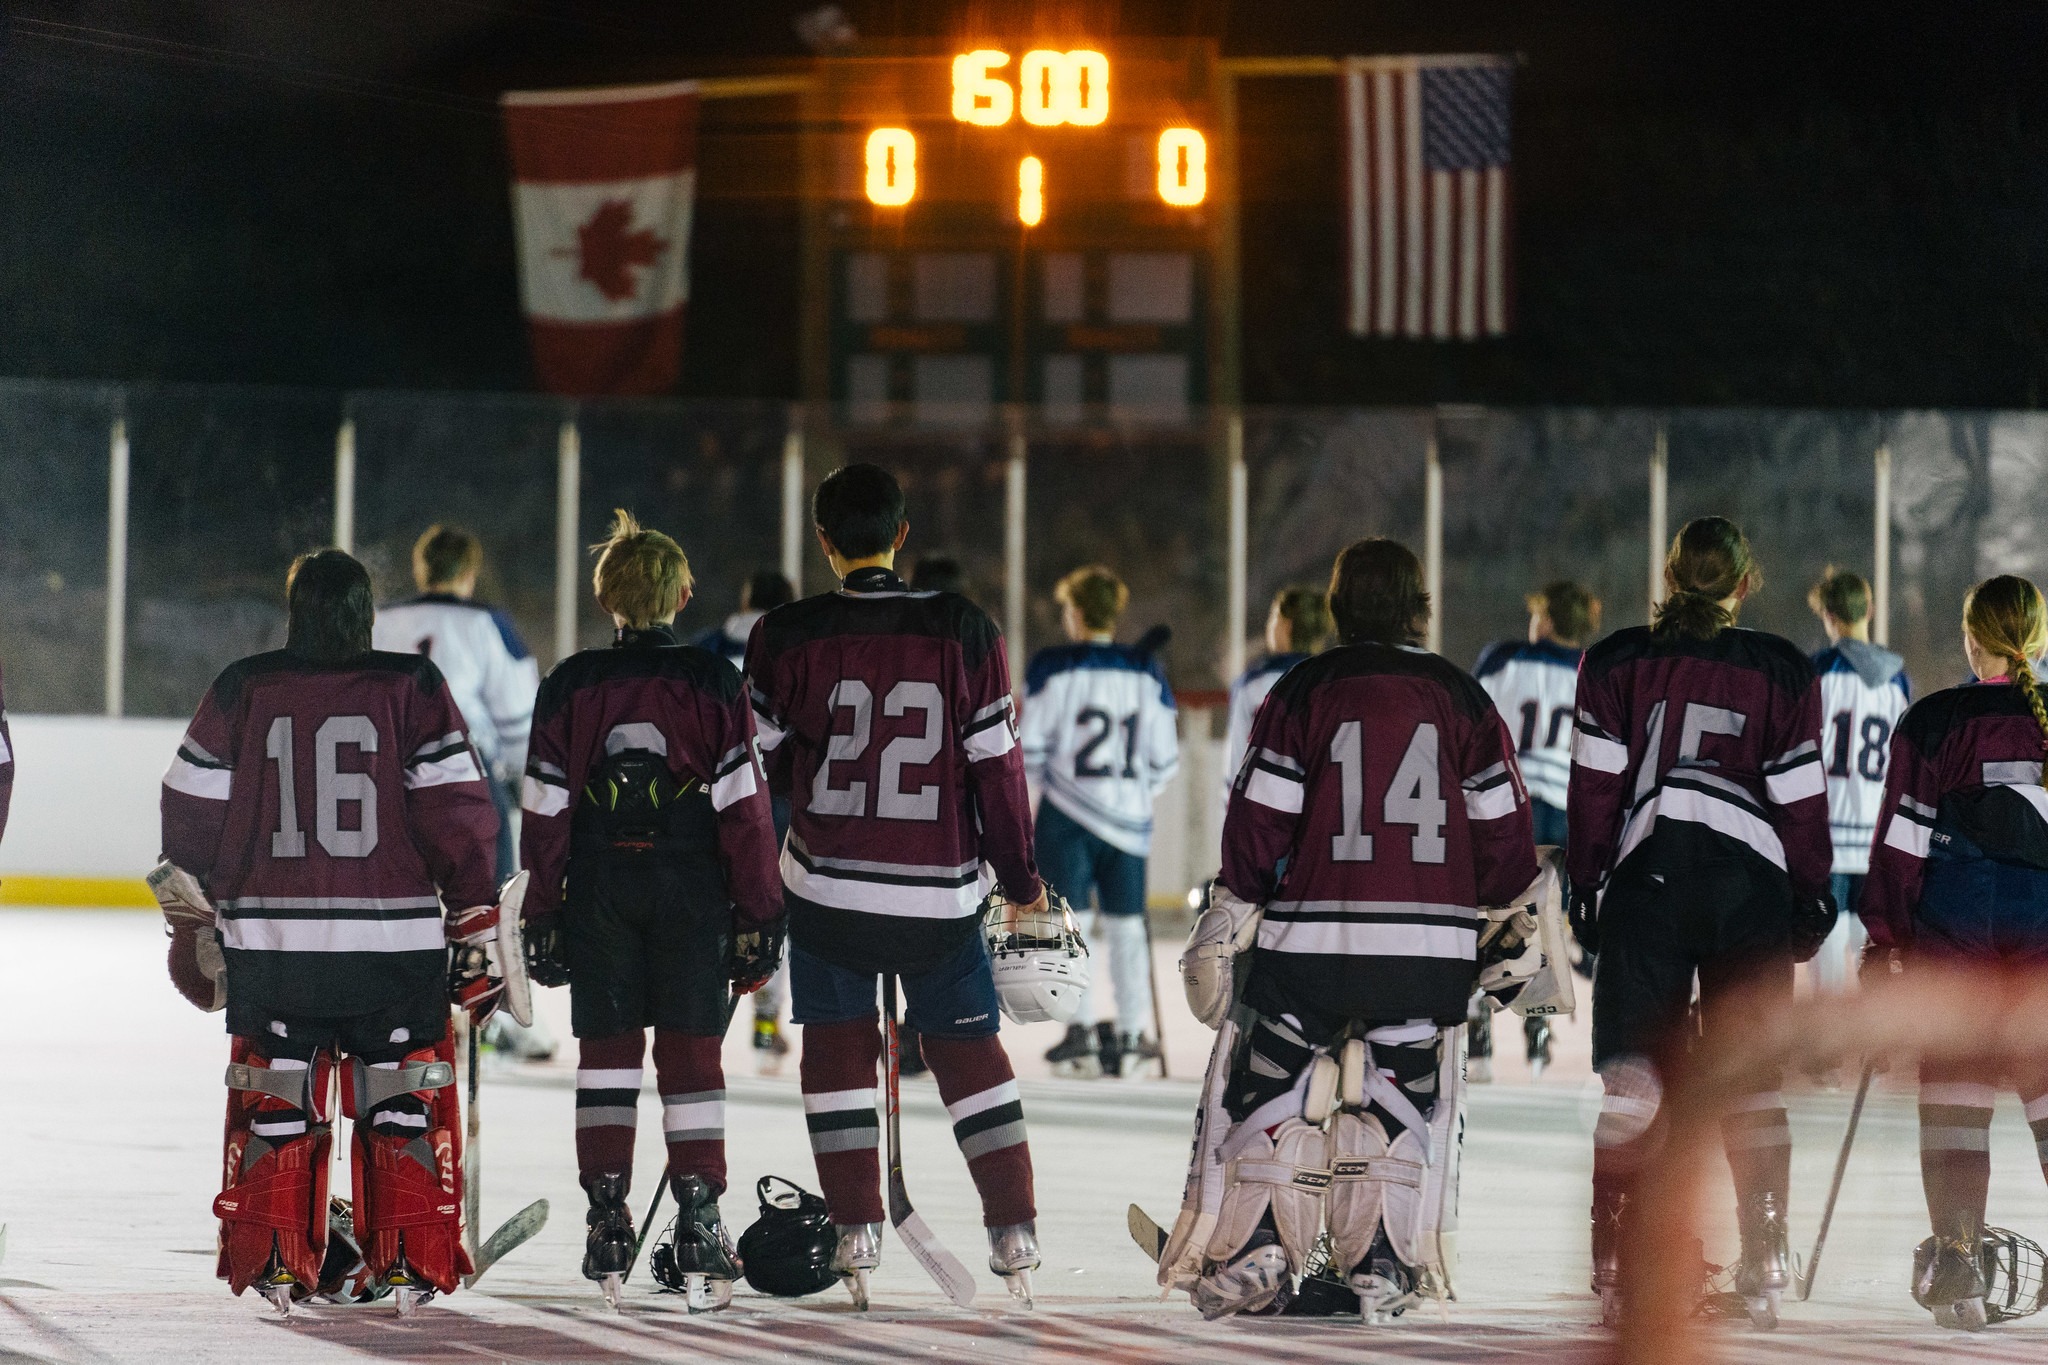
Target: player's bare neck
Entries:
(846, 568)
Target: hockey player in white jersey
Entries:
(493, 678)
(1533, 683)
(1099, 744)
(1863, 692)
(1296, 626)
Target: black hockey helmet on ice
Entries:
(2015, 1271)
(788, 1250)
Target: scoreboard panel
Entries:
(1012, 222)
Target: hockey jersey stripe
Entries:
(1591, 749)
(277, 935)
(914, 874)
(1801, 781)
(1353, 937)
(1700, 798)
(343, 907)
(538, 796)
(737, 783)
(989, 741)
(1491, 803)
(208, 783)
(1278, 791)
(456, 765)
(2017, 774)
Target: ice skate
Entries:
(278, 1287)
(1948, 1280)
(608, 1250)
(1109, 1049)
(771, 1048)
(1248, 1282)
(858, 1253)
(696, 1259)
(1143, 1050)
(505, 1036)
(1073, 1057)
(408, 1290)
(1013, 1254)
(1537, 1032)
(1765, 1269)
(1607, 1259)
(1385, 1287)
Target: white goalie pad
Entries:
(1409, 1185)
(1524, 947)
(1180, 1263)
(1288, 1173)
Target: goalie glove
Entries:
(1208, 967)
(197, 968)
(756, 955)
(476, 976)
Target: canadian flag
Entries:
(604, 184)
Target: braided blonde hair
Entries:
(2007, 618)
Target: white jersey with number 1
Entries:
(1100, 739)
(1863, 692)
(1534, 686)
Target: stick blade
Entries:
(1146, 1232)
(942, 1265)
(514, 1233)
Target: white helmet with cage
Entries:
(1039, 959)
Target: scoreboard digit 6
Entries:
(1012, 222)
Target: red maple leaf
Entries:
(608, 247)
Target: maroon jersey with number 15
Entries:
(331, 810)
(1378, 806)
(886, 717)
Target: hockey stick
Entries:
(522, 1226)
(1841, 1164)
(1158, 1006)
(942, 1265)
(1146, 1232)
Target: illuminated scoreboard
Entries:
(1013, 222)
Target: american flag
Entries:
(1426, 141)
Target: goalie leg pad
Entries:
(1406, 1183)
(273, 1197)
(1284, 1175)
(407, 1166)
(1370, 1180)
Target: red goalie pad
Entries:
(408, 1189)
(273, 1199)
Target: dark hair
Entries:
(765, 590)
(444, 554)
(860, 510)
(1710, 561)
(1306, 611)
(1841, 594)
(1573, 610)
(938, 573)
(328, 607)
(1376, 594)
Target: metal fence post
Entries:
(568, 503)
(1433, 540)
(345, 486)
(1660, 513)
(1236, 615)
(1014, 471)
(1881, 576)
(793, 501)
(117, 566)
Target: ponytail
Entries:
(1710, 561)
(2007, 618)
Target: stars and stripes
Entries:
(1427, 195)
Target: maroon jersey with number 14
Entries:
(331, 810)
(1384, 782)
(886, 716)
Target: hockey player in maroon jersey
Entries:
(886, 714)
(322, 810)
(1959, 874)
(1377, 808)
(644, 794)
(1699, 846)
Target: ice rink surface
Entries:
(110, 1122)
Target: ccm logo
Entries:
(1312, 1180)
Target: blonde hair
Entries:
(1710, 561)
(1097, 593)
(2007, 619)
(641, 575)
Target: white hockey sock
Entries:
(1125, 935)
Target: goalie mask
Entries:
(1039, 959)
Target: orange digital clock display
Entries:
(1044, 89)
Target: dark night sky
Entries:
(1818, 204)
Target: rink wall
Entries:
(83, 829)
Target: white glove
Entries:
(1208, 967)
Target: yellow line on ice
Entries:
(117, 893)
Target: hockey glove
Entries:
(756, 954)
(1585, 919)
(546, 964)
(1813, 919)
(475, 978)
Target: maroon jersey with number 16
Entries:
(331, 811)
(886, 717)
(1379, 805)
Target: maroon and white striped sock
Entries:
(838, 1071)
(980, 1091)
(608, 1074)
(691, 1075)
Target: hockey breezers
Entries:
(942, 1265)
(522, 1226)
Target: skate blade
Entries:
(279, 1297)
(611, 1286)
(1763, 1311)
(702, 1294)
(406, 1299)
(856, 1283)
(1018, 1282)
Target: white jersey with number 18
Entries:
(1863, 692)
